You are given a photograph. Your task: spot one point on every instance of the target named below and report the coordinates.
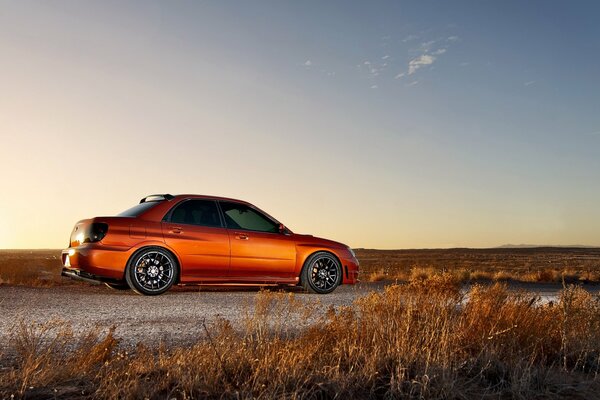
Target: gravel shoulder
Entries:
(175, 317)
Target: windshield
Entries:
(138, 209)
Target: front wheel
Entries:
(321, 273)
(151, 271)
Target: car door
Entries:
(258, 250)
(193, 228)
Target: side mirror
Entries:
(283, 230)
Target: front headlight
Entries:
(351, 252)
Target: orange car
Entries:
(192, 239)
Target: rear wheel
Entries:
(151, 271)
(117, 286)
(321, 273)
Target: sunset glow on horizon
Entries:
(387, 125)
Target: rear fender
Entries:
(155, 243)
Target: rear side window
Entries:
(196, 212)
(139, 209)
(240, 216)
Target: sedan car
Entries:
(195, 239)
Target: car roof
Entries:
(205, 196)
(178, 197)
(167, 201)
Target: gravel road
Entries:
(174, 317)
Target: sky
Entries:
(380, 124)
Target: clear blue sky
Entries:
(380, 124)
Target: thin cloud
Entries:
(529, 83)
(419, 62)
(426, 46)
(372, 69)
(423, 51)
(318, 68)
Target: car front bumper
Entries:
(351, 268)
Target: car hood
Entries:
(310, 239)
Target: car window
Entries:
(240, 216)
(196, 212)
(138, 209)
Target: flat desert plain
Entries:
(455, 323)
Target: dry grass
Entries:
(502, 276)
(377, 276)
(477, 265)
(30, 267)
(425, 339)
(479, 275)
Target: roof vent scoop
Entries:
(157, 197)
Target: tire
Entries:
(321, 273)
(117, 286)
(151, 271)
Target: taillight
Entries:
(97, 232)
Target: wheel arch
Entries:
(310, 252)
(162, 246)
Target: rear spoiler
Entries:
(157, 197)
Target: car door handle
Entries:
(241, 236)
(176, 230)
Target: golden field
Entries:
(424, 339)
(543, 264)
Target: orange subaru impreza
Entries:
(193, 239)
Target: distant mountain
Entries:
(529, 246)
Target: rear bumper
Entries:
(84, 276)
(95, 261)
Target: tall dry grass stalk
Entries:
(425, 339)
